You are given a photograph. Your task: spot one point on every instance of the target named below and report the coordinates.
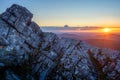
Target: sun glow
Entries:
(106, 29)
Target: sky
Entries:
(103, 13)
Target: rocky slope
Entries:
(27, 53)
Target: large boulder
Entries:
(18, 35)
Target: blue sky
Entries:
(72, 12)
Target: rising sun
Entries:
(106, 30)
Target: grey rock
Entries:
(2, 65)
(17, 14)
(9, 75)
(108, 60)
(3, 41)
(4, 29)
(117, 68)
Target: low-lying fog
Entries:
(100, 37)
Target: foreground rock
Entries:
(107, 63)
(28, 53)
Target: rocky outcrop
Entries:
(28, 53)
(106, 62)
(18, 33)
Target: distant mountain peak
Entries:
(66, 26)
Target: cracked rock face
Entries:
(108, 61)
(28, 53)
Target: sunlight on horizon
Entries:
(82, 30)
(107, 30)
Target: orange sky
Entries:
(103, 13)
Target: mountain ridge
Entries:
(28, 53)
